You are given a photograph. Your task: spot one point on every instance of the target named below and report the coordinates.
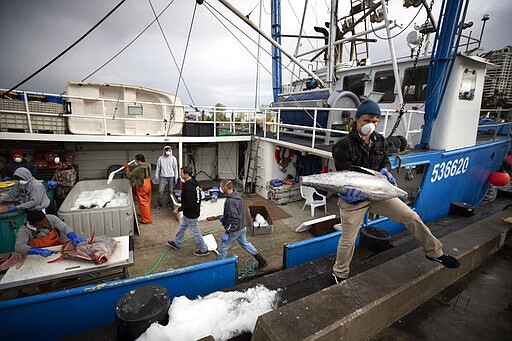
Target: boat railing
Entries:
(495, 122)
(234, 120)
(273, 123)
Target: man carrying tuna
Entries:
(365, 148)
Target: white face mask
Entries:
(167, 153)
(23, 182)
(56, 160)
(182, 180)
(221, 190)
(367, 129)
(17, 159)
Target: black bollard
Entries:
(139, 308)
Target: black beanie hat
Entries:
(34, 217)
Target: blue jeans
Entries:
(162, 181)
(240, 237)
(194, 229)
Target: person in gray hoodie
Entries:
(31, 191)
(233, 221)
(166, 174)
(42, 230)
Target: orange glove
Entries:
(127, 167)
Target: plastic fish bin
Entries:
(108, 221)
(10, 223)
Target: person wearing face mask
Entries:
(64, 179)
(43, 230)
(17, 162)
(166, 174)
(366, 148)
(140, 177)
(31, 191)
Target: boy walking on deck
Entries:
(191, 208)
(233, 221)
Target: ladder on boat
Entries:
(359, 47)
(251, 175)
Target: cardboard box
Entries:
(263, 230)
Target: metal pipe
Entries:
(270, 40)
(331, 65)
(299, 37)
(393, 55)
(344, 40)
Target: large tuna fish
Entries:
(98, 250)
(373, 184)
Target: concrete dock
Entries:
(367, 303)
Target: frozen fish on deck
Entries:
(373, 184)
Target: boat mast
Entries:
(398, 86)
(277, 72)
(272, 41)
(331, 64)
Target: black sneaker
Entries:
(200, 253)
(172, 244)
(447, 260)
(336, 279)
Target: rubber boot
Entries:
(261, 261)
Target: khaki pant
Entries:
(352, 217)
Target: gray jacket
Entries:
(33, 194)
(234, 217)
(26, 233)
(167, 166)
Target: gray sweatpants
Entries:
(352, 217)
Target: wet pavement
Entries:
(477, 307)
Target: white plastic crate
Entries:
(108, 221)
(18, 122)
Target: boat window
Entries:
(354, 83)
(135, 109)
(468, 85)
(415, 84)
(384, 82)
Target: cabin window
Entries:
(415, 84)
(384, 82)
(135, 110)
(468, 85)
(354, 83)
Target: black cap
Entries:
(34, 217)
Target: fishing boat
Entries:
(439, 149)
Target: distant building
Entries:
(498, 80)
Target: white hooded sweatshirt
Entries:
(167, 166)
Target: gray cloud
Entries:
(217, 68)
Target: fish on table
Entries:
(10, 259)
(97, 250)
(373, 184)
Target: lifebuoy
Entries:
(281, 160)
(280, 155)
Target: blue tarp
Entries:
(303, 117)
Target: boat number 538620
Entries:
(449, 168)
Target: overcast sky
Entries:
(217, 67)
